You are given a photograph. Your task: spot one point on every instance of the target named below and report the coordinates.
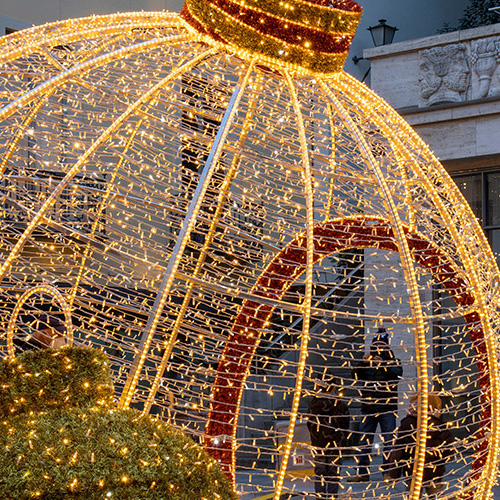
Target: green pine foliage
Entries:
(104, 454)
(40, 380)
(476, 14)
(61, 438)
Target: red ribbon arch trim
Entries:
(329, 237)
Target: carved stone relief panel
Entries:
(485, 61)
(444, 74)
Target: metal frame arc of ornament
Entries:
(182, 239)
(83, 67)
(68, 31)
(49, 290)
(330, 237)
(408, 268)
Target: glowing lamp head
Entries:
(312, 36)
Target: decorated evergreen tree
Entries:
(63, 438)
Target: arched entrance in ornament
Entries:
(286, 267)
(39, 290)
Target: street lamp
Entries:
(382, 34)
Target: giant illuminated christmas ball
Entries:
(212, 201)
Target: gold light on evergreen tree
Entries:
(227, 214)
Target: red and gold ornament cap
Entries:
(311, 36)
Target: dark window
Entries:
(471, 187)
(493, 199)
(482, 192)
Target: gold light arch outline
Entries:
(330, 237)
(63, 32)
(55, 294)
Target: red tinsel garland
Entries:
(314, 36)
(295, 34)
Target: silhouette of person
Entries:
(328, 424)
(379, 373)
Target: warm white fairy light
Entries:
(108, 123)
(411, 280)
(306, 303)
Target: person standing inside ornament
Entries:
(438, 448)
(379, 373)
(328, 425)
(51, 332)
